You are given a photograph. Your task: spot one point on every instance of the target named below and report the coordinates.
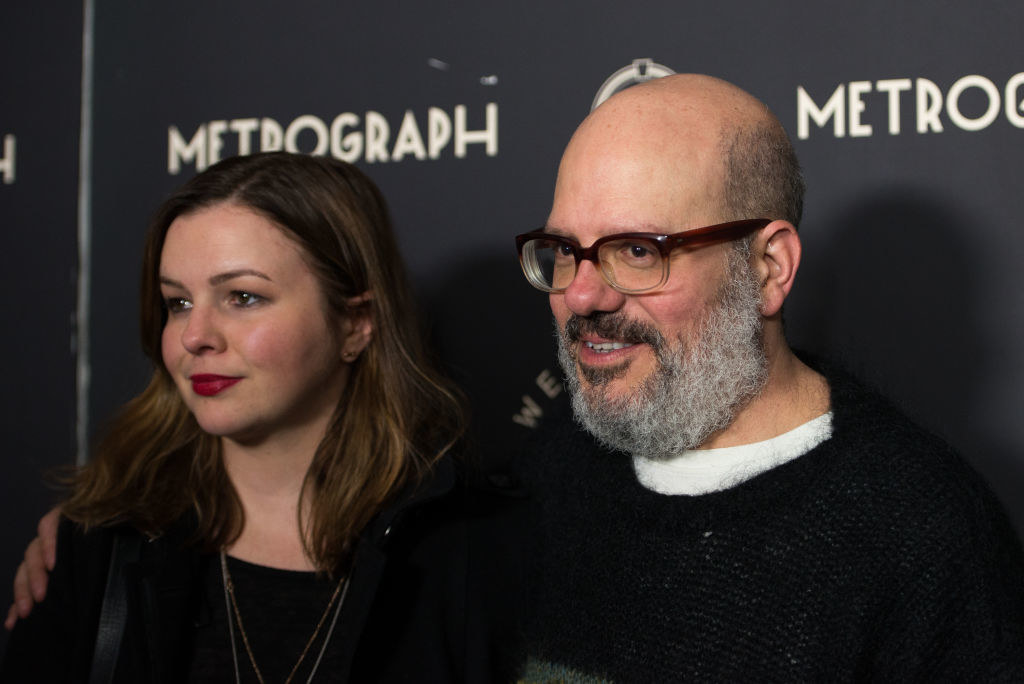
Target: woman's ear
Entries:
(357, 327)
(775, 254)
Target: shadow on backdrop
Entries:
(494, 334)
(889, 288)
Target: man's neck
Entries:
(793, 395)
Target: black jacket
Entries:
(432, 597)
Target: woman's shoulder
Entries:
(64, 622)
(451, 574)
(80, 547)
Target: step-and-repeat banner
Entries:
(908, 120)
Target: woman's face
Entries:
(248, 339)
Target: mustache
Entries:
(614, 326)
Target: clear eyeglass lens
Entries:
(628, 264)
(551, 262)
(632, 264)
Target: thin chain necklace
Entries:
(231, 603)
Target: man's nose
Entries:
(589, 292)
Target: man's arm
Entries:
(31, 577)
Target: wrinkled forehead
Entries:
(640, 175)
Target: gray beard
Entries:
(695, 390)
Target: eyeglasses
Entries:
(629, 262)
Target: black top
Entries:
(280, 611)
(877, 555)
(432, 598)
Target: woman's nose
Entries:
(202, 332)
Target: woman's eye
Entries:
(177, 304)
(245, 299)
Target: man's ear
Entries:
(357, 326)
(775, 254)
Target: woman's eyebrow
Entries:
(221, 277)
(231, 275)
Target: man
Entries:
(731, 511)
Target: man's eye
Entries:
(564, 251)
(638, 252)
(177, 304)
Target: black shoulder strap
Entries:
(114, 613)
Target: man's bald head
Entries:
(684, 364)
(728, 152)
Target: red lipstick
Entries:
(208, 385)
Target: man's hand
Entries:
(32, 575)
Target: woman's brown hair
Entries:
(396, 418)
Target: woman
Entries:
(287, 466)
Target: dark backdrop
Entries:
(40, 95)
(912, 246)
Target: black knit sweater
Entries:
(879, 555)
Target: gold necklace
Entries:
(231, 603)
